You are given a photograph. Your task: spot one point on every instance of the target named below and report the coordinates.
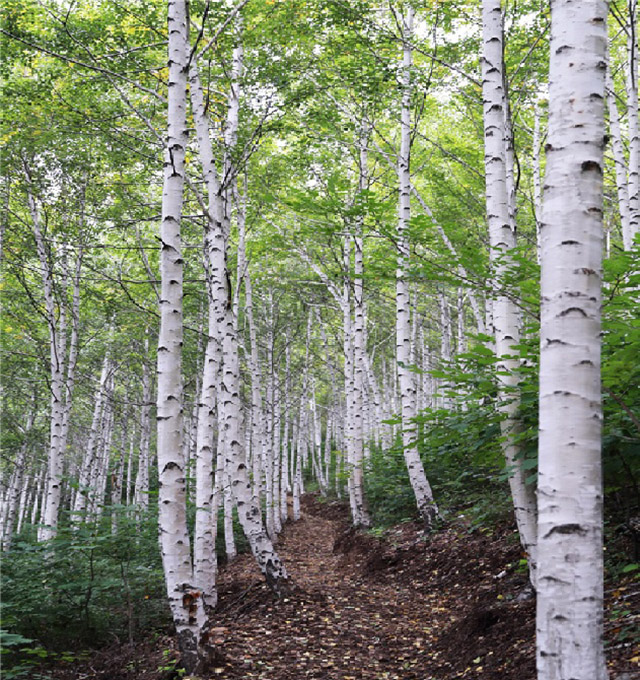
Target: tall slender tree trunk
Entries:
(90, 458)
(359, 346)
(12, 505)
(285, 482)
(258, 434)
(347, 343)
(49, 526)
(98, 479)
(204, 550)
(36, 511)
(570, 564)
(129, 474)
(273, 418)
(184, 599)
(275, 446)
(506, 320)
(22, 504)
(231, 435)
(632, 120)
(141, 491)
(537, 184)
(424, 496)
(617, 146)
(117, 478)
(297, 469)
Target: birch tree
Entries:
(141, 489)
(570, 566)
(359, 343)
(63, 351)
(185, 599)
(231, 435)
(500, 218)
(422, 489)
(631, 81)
(13, 501)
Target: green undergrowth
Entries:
(90, 586)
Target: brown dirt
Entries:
(404, 606)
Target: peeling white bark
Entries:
(204, 551)
(49, 526)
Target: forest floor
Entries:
(403, 606)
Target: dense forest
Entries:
(320, 339)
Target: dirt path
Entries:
(357, 610)
(408, 607)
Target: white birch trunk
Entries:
(276, 452)
(229, 539)
(285, 481)
(537, 184)
(620, 162)
(37, 502)
(502, 240)
(117, 478)
(129, 478)
(14, 503)
(273, 418)
(632, 120)
(204, 549)
(89, 461)
(362, 515)
(461, 345)
(570, 564)
(327, 447)
(22, 504)
(98, 480)
(258, 436)
(316, 442)
(141, 491)
(445, 326)
(267, 449)
(229, 405)
(49, 527)
(424, 497)
(374, 387)
(349, 394)
(297, 472)
(185, 601)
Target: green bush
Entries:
(86, 586)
